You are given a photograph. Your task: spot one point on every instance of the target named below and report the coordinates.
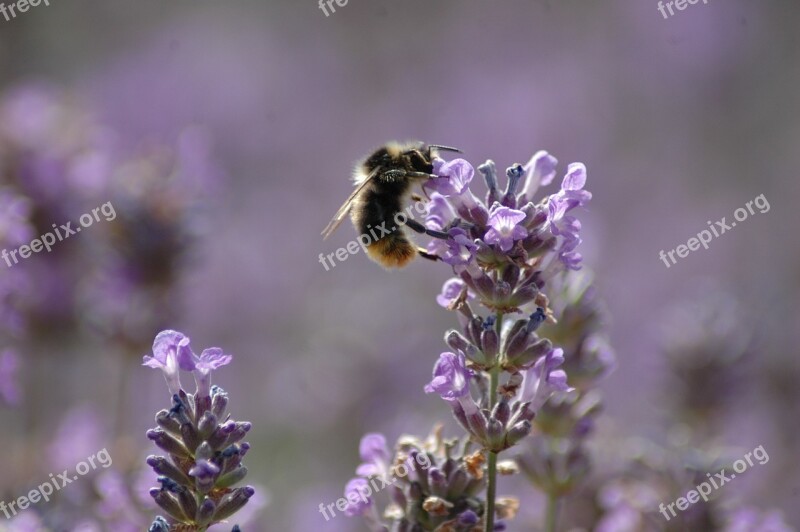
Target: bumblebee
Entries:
(384, 182)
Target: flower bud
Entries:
(489, 345)
(229, 479)
(233, 502)
(532, 352)
(169, 504)
(517, 432)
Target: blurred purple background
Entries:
(679, 121)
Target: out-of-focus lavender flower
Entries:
(81, 430)
(752, 520)
(105, 498)
(204, 447)
(558, 461)
(15, 224)
(357, 494)
(157, 195)
(621, 518)
(375, 456)
(15, 229)
(26, 522)
(117, 506)
(45, 141)
(9, 366)
(706, 341)
(435, 484)
(635, 481)
(59, 163)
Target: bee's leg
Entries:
(394, 175)
(421, 174)
(444, 148)
(421, 229)
(416, 197)
(425, 255)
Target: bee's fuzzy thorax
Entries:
(384, 180)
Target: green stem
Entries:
(491, 481)
(494, 382)
(491, 491)
(494, 372)
(552, 513)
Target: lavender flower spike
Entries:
(204, 447)
(508, 254)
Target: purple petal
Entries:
(153, 362)
(372, 448)
(213, 358)
(454, 177)
(539, 171)
(575, 178)
(357, 500)
(451, 289)
(440, 212)
(450, 377)
(167, 340)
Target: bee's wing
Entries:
(345, 208)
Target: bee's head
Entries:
(416, 156)
(382, 157)
(420, 158)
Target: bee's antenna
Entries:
(444, 148)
